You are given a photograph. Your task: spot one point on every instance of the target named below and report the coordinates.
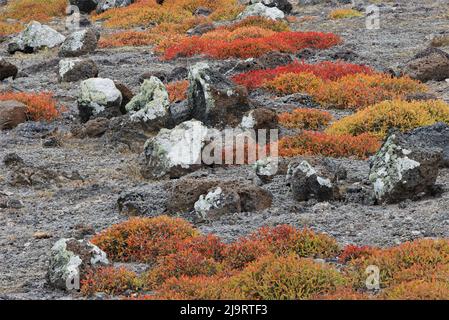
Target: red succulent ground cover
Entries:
(287, 41)
(325, 70)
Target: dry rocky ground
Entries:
(97, 171)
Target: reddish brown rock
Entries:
(12, 113)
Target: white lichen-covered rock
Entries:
(283, 5)
(213, 201)
(173, 153)
(266, 168)
(104, 5)
(74, 69)
(70, 259)
(260, 118)
(214, 99)
(79, 43)
(35, 36)
(259, 9)
(403, 170)
(151, 105)
(306, 184)
(231, 197)
(99, 97)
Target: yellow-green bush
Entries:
(379, 118)
(344, 14)
(284, 278)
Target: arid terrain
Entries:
(73, 184)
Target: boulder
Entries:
(85, 6)
(70, 260)
(430, 64)
(75, 69)
(99, 97)
(306, 184)
(24, 174)
(12, 113)
(436, 135)
(266, 168)
(274, 59)
(403, 170)
(259, 9)
(151, 105)
(7, 70)
(127, 95)
(35, 36)
(179, 112)
(123, 132)
(96, 127)
(104, 5)
(79, 43)
(212, 197)
(200, 29)
(215, 100)
(173, 153)
(283, 5)
(260, 118)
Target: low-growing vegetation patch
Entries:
(328, 145)
(284, 278)
(39, 10)
(424, 259)
(418, 290)
(165, 34)
(110, 280)
(381, 117)
(144, 239)
(7, 28)
(344, 14)
(41, 106)
(325, 70)
(148, 12)
(271, 263)
(249, 47)
(177, 90)
(348, 92)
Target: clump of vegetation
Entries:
(165, 34)
(7, 28)
(348, 92)
(284, 278)
(440, 41)
(144, 239)
(41, 106)
(271, 263)
(418, 290)
(279, 240)
(177, 90)
(344, 14)
(248, 47)
(325, 70)
(39, 10)
(328, 145)
(110, 280)
(148, 12)
(379, 118)
(424, 259)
